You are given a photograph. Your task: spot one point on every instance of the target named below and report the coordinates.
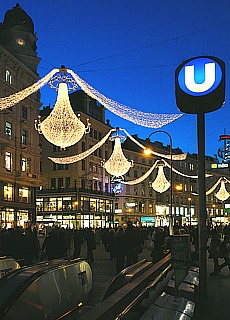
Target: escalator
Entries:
(45, 291)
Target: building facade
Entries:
(19, 142)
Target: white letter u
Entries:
(209, 76)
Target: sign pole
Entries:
(202, 214)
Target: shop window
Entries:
(9, 129)
(67, 203)
(8, 192)
(39, 204)
(23, 194)
(8, 161)
(8, 77)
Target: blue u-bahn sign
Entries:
(200, 85)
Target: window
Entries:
(24, 113)
(8, 192)
(83, 164)
(53, 183)
(8, 77)
(60, 183)
(23, 194)
(67, 182)
(9, 129)
(8, 161)
(95, 134)
(24, 137)
(83, 146)
(25, 164)
(135, 174)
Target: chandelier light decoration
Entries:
(62, 127)
(145, 119)
(161, 184)
(14, 98)
(117, 165)
(222, 194)
(83, 155)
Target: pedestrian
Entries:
(91, 244)
(214, 252)
(78, 240)
(119, 249)
(225, 253)
(158, 238)
(131, 240)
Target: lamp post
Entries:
(171, 180)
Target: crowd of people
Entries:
(123, 243)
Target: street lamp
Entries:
(171, 178)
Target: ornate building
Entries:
(19, 142)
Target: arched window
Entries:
(8, 77)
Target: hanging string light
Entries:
(142, 178)
(83, 155)
(222, 194)
(145, 119)
(181, 156)
(15, 98)
(117, 165)
(62, 127)
(160, 184)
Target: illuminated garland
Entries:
(145, 176)
(207, 175)
(83, 155)
(14, 98)
(144, 119)
(181, 156)
(62, 127)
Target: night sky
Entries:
(129, 50)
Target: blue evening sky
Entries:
(129, 50)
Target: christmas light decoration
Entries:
(142, 178)
(144, 119)
(83, 155)
(161, 184)
(117, 165)
(181, 156)
(13, 99)
(207, 175)
(222, 194)
(62, 127)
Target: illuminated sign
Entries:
(200, 85)
(219, 165)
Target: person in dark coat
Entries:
(78, 240)
(91, 244)
(214, 252)
(119, 249)
(225, 253)
(132, 239)
(158, 237)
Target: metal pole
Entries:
(202, 215)
(171, 181)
